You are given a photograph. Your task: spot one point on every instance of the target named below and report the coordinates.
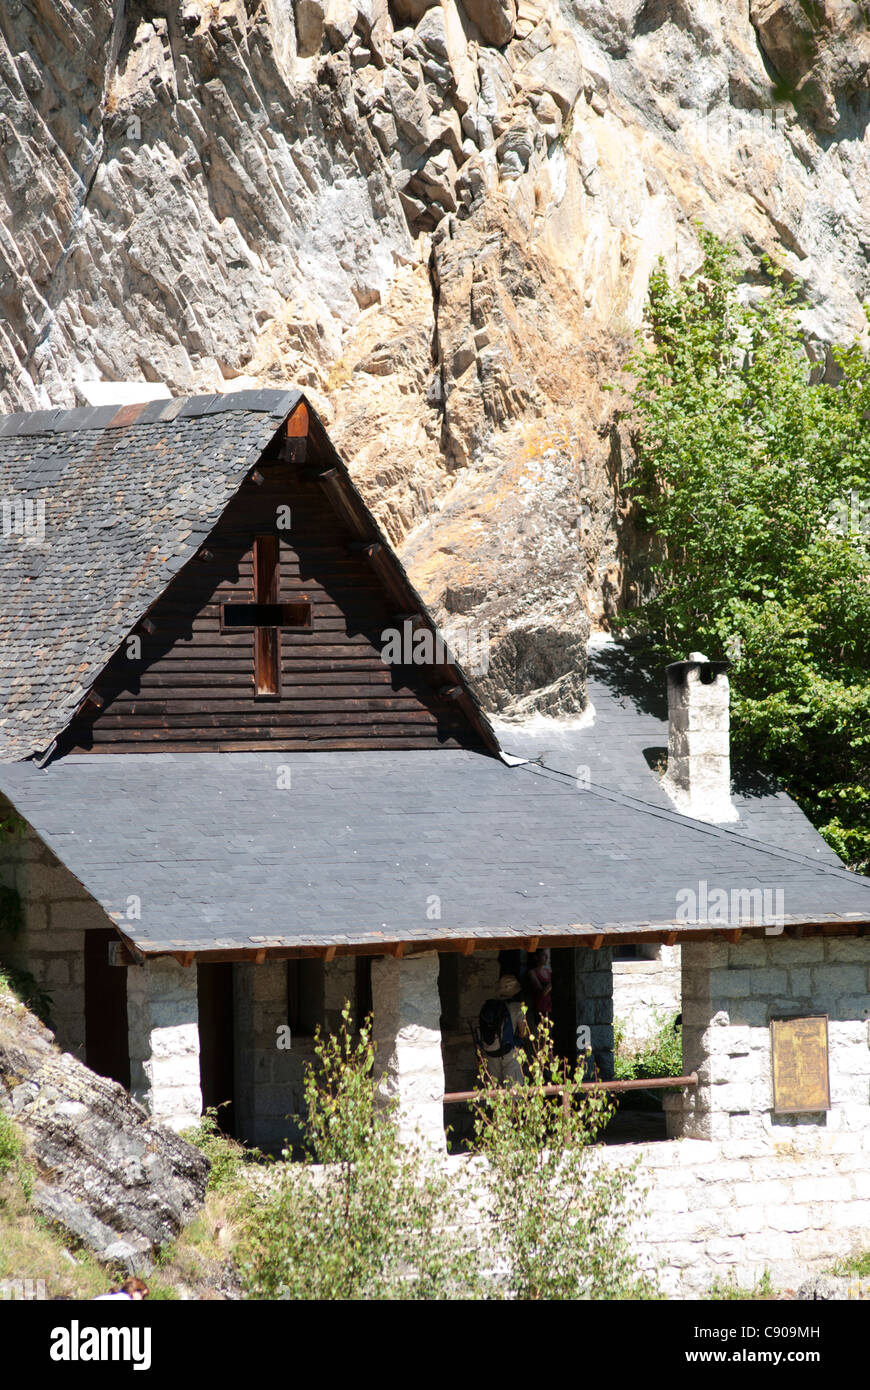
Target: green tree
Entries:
(561, 1216)
(753, 477)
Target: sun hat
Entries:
(508, 986)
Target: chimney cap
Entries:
(709, 670)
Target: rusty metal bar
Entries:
(655, 1083)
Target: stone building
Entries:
(227, 812)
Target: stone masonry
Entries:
(163, 1024)
(56, 912)
(790, 1204)
(406, 1010)
(730, 994)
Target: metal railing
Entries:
(653, 1083)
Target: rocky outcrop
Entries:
(437, 218)
(113, 1180)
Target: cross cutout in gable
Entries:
(266, 616)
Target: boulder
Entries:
(496, 19)
(310, 19)
(113, 1179)
(558, 70)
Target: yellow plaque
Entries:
(799, 1049)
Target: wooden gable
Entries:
(272, 637)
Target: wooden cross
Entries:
(266, 616)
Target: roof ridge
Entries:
(707, 827)
(59, 420)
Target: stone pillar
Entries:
(163, 1032)
(407, 1029)
(731, 991)
(583, 998)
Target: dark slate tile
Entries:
(195, 406)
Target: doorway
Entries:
(214, 983)
(107, 1048)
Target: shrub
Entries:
(226, 1156)
(562, 1217)
(660, 1055)
(362, 1217)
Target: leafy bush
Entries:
(753, 479)
(561, 1216)
(659, 1055)
(363, 1217)
(226, 1156)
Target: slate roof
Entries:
(129, 495)
(354, 852)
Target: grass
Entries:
(853, 1266)
(727, 1290)
(660, 1055)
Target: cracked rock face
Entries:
(115, 1181)
(438, 219)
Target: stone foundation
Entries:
(163, 1025)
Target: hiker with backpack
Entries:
(502, 1025)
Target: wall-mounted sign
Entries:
(799, 1050)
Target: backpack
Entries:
(496, 1028)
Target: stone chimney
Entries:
(698, 779)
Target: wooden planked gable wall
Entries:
(193, 685)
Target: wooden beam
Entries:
(670, 938)
(597, 942)
(259, 957)
(732, 936)
(333, 485)
(297, 423)
(185, 958)
(204, 554)
(468, 946)
(532, 943)
(329, 954)
(398, 950)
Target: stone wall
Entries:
(791, 1205)
(644, 991)
(56, 912)
(730, 994)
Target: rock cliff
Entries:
(437, 218)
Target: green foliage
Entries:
(363, 1217)
(660, 1055)
(12, 824)
(754, 482)
(227, 1157)
(854, 1265)
(10, 1145)
(562, 1215)
(727, 1290)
